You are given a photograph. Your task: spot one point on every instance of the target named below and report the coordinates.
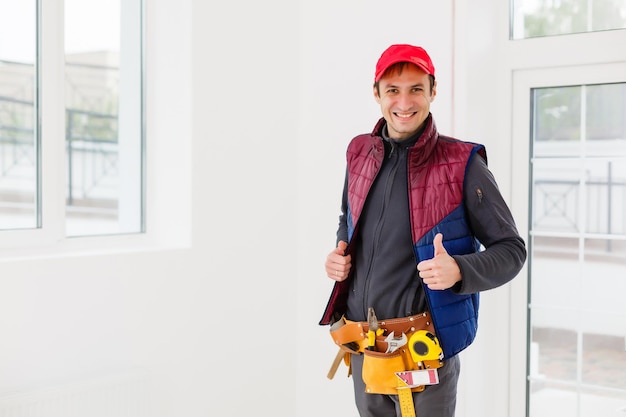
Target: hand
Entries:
(441, 272)
(337, 263)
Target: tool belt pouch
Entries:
(379, 369)
(348, 335)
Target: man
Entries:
(423, 228)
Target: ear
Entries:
(433, 93)
(376, 95)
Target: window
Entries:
(103, 105)
(18, 115)
(536, 18)
(575, 138)
(578, 250)
(100, 107)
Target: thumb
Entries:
(341, 247)
(438, 244)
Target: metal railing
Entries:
(559, 200)
(91, 132)
(92, 153)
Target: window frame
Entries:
(165, 197)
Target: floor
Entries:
(602, 371)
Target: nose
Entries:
(405, 102)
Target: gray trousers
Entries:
(435, 401)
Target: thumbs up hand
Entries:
(440, 272)
(438, 244)
(337, 263)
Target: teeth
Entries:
(404, 116)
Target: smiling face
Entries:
(404, 94)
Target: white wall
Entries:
(226, 323)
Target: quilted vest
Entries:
(436, 173)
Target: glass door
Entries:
(575, 157)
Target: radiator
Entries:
(111, 396)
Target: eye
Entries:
(417, 89)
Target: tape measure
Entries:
(424, 346)
(405, 396)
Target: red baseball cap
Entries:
(403, 53)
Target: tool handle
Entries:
(335, 364)
(371, 340)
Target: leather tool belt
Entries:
(401, 344)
